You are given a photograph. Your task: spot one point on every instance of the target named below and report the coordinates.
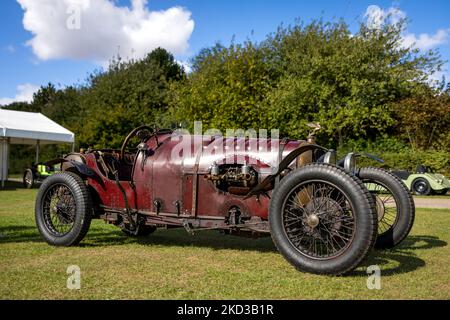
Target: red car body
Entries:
(172, 191)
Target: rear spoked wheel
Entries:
(59, 209)
(394, 204)
(63, 209)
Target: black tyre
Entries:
(322, 219)
(395, 205)
(28, 179)
(63, 209)
(421, 187)
(142, 231)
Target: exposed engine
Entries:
(234, 178)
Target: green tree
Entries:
(226, 89)
(424, 118)
(347, 82)
(128, 94)
(319, 72)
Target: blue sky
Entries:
(65, 58)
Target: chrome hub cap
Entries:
(312, 221)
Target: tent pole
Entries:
(73, 147)
(6, 152)
(3, 163)
(5, 166)
(37, 151)
(8, 149)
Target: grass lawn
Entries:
(170, 264)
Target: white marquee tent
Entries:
(18, 127)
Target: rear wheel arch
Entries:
(96, 201)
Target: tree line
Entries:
(365, 89)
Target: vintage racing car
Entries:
(321, 216)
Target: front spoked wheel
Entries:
(394, 204)
(322, 219)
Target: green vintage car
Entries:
(424, 181)
(37, 173)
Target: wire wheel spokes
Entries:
(318, 220)
(387, 209)
(59, 209)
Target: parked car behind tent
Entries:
(37, 173)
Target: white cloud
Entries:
(96, 30)
(425, 41)
(24, 94)
(376, 17)
(186, 65)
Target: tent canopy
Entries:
(18, 127)
(28, 127)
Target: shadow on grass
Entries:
(404, 256)
(29, 233)
(100, 237)
(17, 233)
(180, 238)
(421, 242)
(12, 185)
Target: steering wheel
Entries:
(139, 131)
